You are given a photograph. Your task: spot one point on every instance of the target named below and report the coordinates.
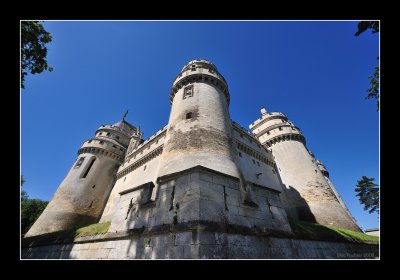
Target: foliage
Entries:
(33, 50)
(373, 91)
(30, 211)
(93, 229)
(24, 194)
(365, 25)
(368, 194)
(322, 232)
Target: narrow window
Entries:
(280, 128)
(268, 133)
(90, 141)
(101, 142)
(145, 167)
(108, 133)
(240, 154)
(254, 162)
(189, 115)
(93, 186)
(117, 137)
(188, 91)
(114, 146)
(315, 170)
(124, 178)
(273, 171)
(100, 133)
(79, 163)
(89, 167)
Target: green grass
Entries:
(90, 230)
(321, 232)
(93, 229)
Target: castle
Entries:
(197, 187)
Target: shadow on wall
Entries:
(298, 205)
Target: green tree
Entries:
(368, 194)
(33, 50)
(30, 211)
(373, 91)
(365, 25)
(24, 194)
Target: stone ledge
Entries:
(198, 226)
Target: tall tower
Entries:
(309, 195)
(325, 172)
(82, 195)
(199, 128)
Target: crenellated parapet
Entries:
(140, 161)
(285, 137)
(199, 71)
(275, 127)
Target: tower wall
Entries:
(306, 188)
(78, 201)
(204, 138)
(339, 198)
(82, 195)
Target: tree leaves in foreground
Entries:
(33, 49)
(30, 209)
(373, 91)
(24, 194)
(368, 194)
(30, 212)
(365, 25)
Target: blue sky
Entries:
(314, 72)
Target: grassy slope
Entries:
(89, 230)
(321, 232)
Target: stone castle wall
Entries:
(200, 245)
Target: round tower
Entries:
(325, 172)
(82, 195)
(309, 195)
(199, 128)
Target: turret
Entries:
(199, 128)
(325, 172)
(81, 197)
(309, 195)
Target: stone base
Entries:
(197, 244)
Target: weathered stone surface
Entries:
(201, 187)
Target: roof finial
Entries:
(126, 113)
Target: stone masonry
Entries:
(200, 187)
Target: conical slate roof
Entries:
(125, 127)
